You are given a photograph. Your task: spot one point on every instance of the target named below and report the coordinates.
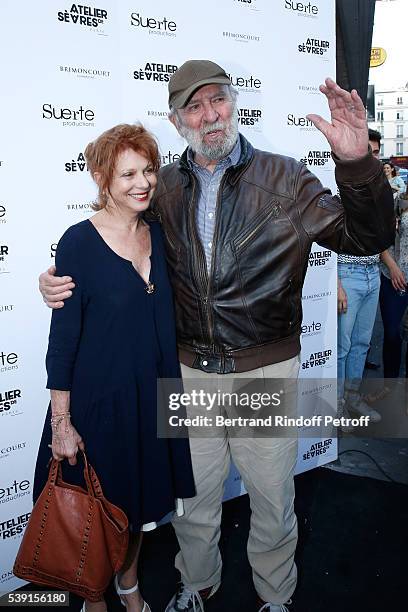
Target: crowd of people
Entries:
(363, 282)
(226, 232)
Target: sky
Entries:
(391, 33)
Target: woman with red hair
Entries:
(108, 346)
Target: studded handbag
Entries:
(75, 539)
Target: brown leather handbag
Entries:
(75, 539)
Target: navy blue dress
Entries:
(107, 346)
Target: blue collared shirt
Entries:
(209, 184)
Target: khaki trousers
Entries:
(266, 467)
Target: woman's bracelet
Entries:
(57, 419)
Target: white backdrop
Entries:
(71, 71)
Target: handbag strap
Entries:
(91, 479)
(96, 485)
(54, 474)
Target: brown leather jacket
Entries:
(246, 312)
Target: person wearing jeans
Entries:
(359, 285)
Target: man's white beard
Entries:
(213, 150)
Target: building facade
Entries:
(391, 120)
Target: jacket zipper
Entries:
(257, 228)
(292, 304)
(202, 277)
(214, 241)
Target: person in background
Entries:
(358, 286)
(108, 346)
(396, 182)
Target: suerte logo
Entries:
(169, 157)
(250, 82)
(14, 490)
(249, 116)
(306, 10)
(319, 258)
(14, 527)
(8, 361)
(316, 158)
(9, 400)
(2, 213)
(152, 71)
(320, 358)
(87, 73)
(161, 26)
(68, 116)
(302, 122)
(76, 165)
(314, 46)
(310, 329)
(83, 15)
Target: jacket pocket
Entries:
(244, 238)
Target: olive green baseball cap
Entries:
(191, 76)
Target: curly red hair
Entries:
(101, 154)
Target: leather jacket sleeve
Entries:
(359, 222)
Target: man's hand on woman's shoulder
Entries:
(55, 289)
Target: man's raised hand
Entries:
(347, 133)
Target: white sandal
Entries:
(120, 592)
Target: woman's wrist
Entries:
(60, 423)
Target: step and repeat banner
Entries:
(74, 70)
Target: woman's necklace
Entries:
(149, 287)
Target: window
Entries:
(380, 116)
(382, 131)
(380, 102)
(400, 148)
(400, 115)
(399, 100)
(382, 150)
(400, 131)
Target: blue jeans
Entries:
(362, 285)
(393, 307)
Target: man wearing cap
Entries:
(239, 225)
